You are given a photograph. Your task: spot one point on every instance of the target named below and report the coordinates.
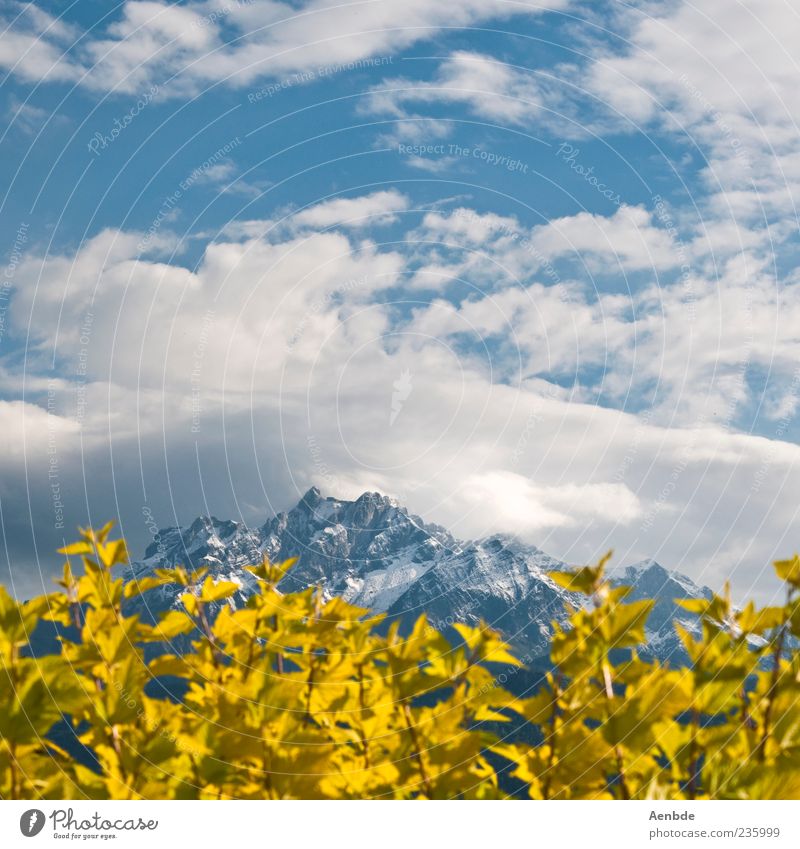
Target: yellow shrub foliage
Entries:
(293, 696)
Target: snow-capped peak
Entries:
(373, 553)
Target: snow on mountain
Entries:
(649, 579)
(497, 579)
(373, 553)
(224, 547)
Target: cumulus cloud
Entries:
(619, 307)
(629, 238)
(196, 44)
(232, 387)
(516, 504)
(262, 296)
(34, 45)
(718, 79)
(722, 75)
(587, 382)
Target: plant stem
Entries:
(551, 756)
(773, 688)
(417, 753)
(694, 772)
(205, 627)
(310, 688)
(608, 687)
(362, 702)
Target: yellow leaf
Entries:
(141, 585)
(77, 548)
(586, 580)
(169, 626)
(789, 570)
(217, 590)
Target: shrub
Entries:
(293, 696)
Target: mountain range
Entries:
(374, 553)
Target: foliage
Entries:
(293, 696)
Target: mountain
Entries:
(649, 579)
(372, 552)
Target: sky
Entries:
(527, 267)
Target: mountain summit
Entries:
(372, 552)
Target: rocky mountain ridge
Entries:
(373, 553)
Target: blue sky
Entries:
(528, 267)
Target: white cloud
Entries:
(255, 290)
(688, 342)
(492, 90)
(513, 503)
(25, 424)
(629, 239)
(723, 76)
(499, 251)
(377, 208)
(718, 78)
(31, 119)
(218, 173)
(194, 45)
(272, 366)
(35, 45)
